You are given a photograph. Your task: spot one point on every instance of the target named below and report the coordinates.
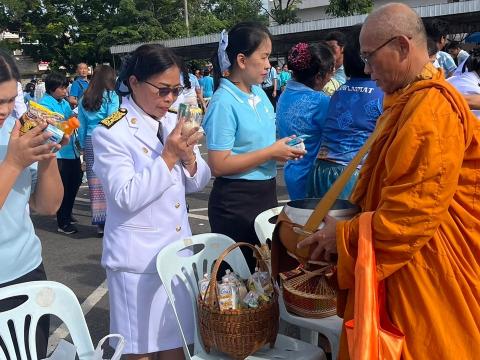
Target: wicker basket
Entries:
(238, 333)
(307, 293)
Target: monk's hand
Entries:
(325, 240)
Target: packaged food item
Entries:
(251, 300)
(225, 297)
(193, 116)
(57, 126)
(296, 143)
(203, 286)
(260, 282)
(235, 279)
(36, 115)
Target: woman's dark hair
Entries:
(308, 60)
(352, 63)
(103, 79)
(473, 61)
(186, 77)
(30, 88)
(8, 69)
(53, 81)
(431, 47)
(146, 61)
(243, 38)
(337, 36)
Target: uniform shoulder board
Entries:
(172, 111)
(114, 118)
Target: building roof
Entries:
(462, 15)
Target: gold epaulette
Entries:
(114, 118)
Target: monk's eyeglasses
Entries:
(366, 56)
(165, 91)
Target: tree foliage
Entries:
(66, 32)
(340, 8)
(284, 11)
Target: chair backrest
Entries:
(263, 227)
(41, 298)
(189, 269)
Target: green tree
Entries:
(341, 8)
(284, 11)
(66, 32)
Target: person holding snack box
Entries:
(69, 156)
(240, 129)
(147, 161)
(29, 173)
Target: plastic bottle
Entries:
(68, 126)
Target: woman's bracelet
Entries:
(190, 162)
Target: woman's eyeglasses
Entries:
(165, 91)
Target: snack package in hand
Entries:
(193, 117)
(39, 115)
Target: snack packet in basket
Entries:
(233, 278)
(203, 286)
(228, 297)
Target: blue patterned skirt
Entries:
(98, 204)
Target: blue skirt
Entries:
(323, 175)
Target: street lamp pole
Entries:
(185, 4)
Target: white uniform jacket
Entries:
(146, 207)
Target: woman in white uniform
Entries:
(146, 165)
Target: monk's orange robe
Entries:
(422, 179)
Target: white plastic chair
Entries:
(189, 269)
(330, 327)
(263, 227)
(43, 298)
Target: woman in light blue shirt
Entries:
(302, 109)
(98, 102)
(240, 129)
(29, 176)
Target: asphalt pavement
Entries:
(74, 260)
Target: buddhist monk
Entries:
(422, 180)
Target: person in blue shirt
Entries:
(351, 118)
(302, 109)
(207, 85)
(29, 179)
(240, 129)
(285, 75)
(98, 102)
(28, 94)
(79, 86)
(69, 156)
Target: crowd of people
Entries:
(420, 177)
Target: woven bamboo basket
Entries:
(307, 293)
(238, 333)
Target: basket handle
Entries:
(212, 286)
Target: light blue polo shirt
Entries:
(62, 107)
(20, 248)
(90, 119)
(242, 123)
(78, 87)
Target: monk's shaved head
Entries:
(395, 19)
